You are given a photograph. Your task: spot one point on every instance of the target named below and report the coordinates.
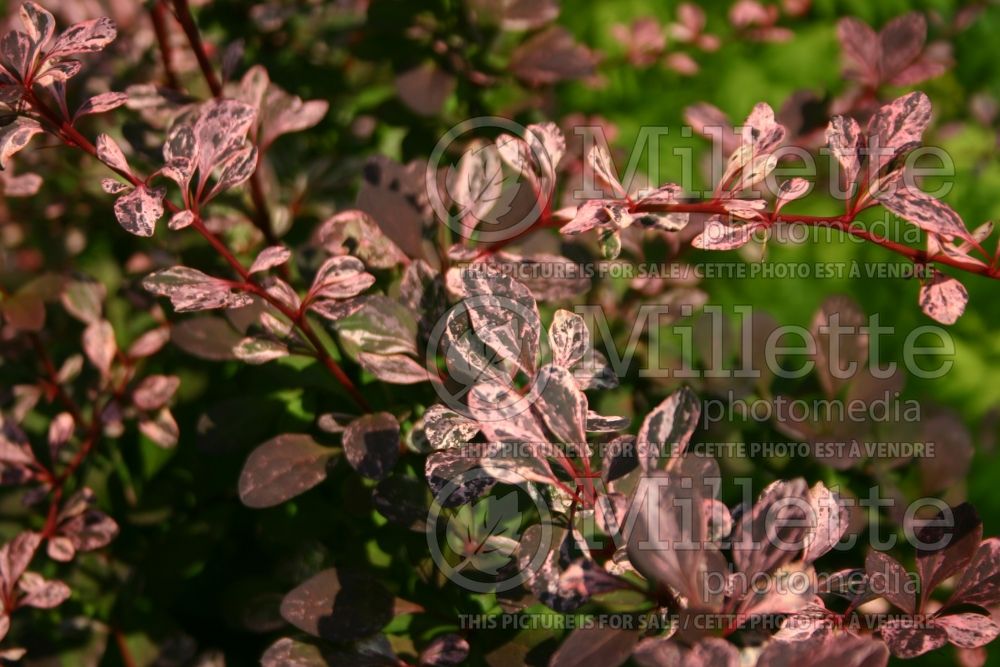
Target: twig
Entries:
(72, 137)
(261, 217)
(158, 14)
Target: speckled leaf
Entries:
(282, 468)
(943, 298)
(15, 137)
(138, 211)
(569, 338)
(270, 257)
(930, 214)
(666, 430)
(85, 37)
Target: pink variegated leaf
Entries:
(668, 193)
(843, 136)
(38, 22)
(236, 170)
(20, 185)
(16, 555)
(110, 153)
(761, 131)
(358, 232)
(600, 161)
(189, 290)
(340, 278)
(501, 416)
(897, 126)
(446, 429)
(569, 338)
(888, 579)
(980, 582)
(180, 220)
(968, 630)
(60, 549)
(86, 37)
(283, 114)
(668, 544)
(154, 391)
(40, 593)
(666, 431)
(831, 522)
(138, 211)
(58, 72)
(181, 150)
(790, 190)
(90, 530)
(560, 404)
(476, 185)
(336, 310)
(516, 154)
(597, 423)
(221, 130)
(762, 539)
(99, 345)
(943, 298)
(149, 343)
(930, 214)
(113, 187)
(269, 258)
(519, 15)
(101, 104)
(161, 428)
(60, 430)
(604, 213)
(393, 368)
(719, 235)
(755, 171)
(548, 145)
(16, 53)
(908, 637)
(15, 137)
(255, 351)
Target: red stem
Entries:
(72, 137)
(183, 13)
(844, 223)
(262, 217)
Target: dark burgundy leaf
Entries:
(371, 444)
(283, 468)
(599, 645)
(338, 606)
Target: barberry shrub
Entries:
(272, 395)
